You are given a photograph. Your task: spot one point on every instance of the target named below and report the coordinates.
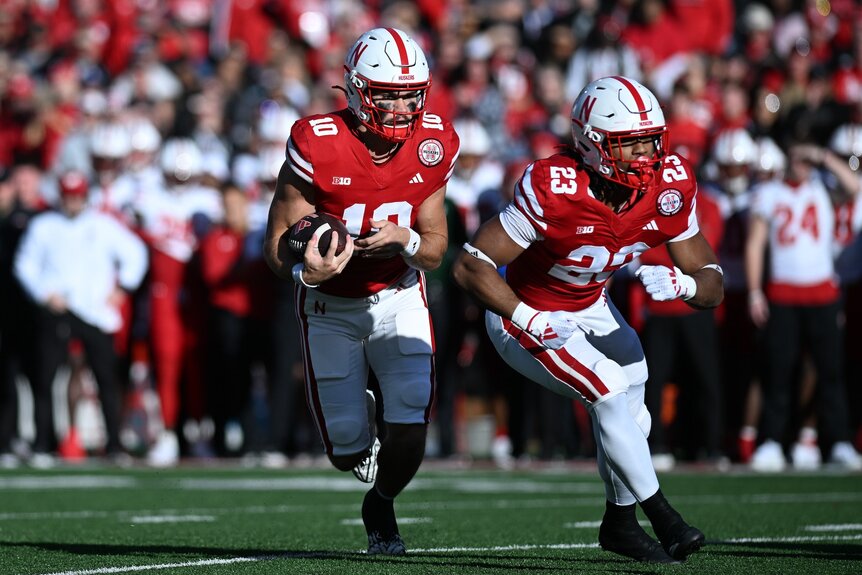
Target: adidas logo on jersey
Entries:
(651, 226)
(417, 179)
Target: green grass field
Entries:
(238, 521)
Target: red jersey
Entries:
(574, 242)
(242, 287)
(324, 151)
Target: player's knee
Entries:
(417, 394)
(644, 420)
(612, 375)
(346, 434)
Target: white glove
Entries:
(664, 284)
(552, 328)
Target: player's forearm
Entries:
(710, 289)
(432, 248)
(755, 250)
(278, 256)
(483, 282)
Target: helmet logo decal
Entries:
(669, 202)
(402, 51)
(357, 52)
(587, 108)
(641, 106)
(431, 152)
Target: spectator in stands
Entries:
(17, 354)
(78, 265)
(794, 219)
(240, 289)
(602, 54)
(172, 220)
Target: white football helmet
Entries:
(734, 147)
(847, 140)
(609, 111)
(181, 159)
(475, 140)
(110, 140)
(733, 152)
(769, 159)
(386, 60)
(144, 136)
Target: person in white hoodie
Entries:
(78, 265)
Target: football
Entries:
(322, 225)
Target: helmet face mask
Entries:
(386, 78)
(620, 134)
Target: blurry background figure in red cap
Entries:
(77, 266)
(74, 184)
(74, 188)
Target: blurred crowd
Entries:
(170, 120)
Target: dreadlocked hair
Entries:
(620, 197)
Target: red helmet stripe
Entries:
(402, 50)
(636, 95)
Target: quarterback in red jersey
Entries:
(381, 165)
(577, 217)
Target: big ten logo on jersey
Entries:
(340, 181)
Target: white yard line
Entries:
(159, 566)
(567, 502)
(834, 527)
(593, 524)
(401, 521)
(497, 548)
(800, 539)
(172, 519)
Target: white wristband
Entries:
(522, 315)
(688, 286)
(296, 272)
(412, 244)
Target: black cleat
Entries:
(378, 516)
(378, 545)
(629, 539)
(682, 540)
(677, 537)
